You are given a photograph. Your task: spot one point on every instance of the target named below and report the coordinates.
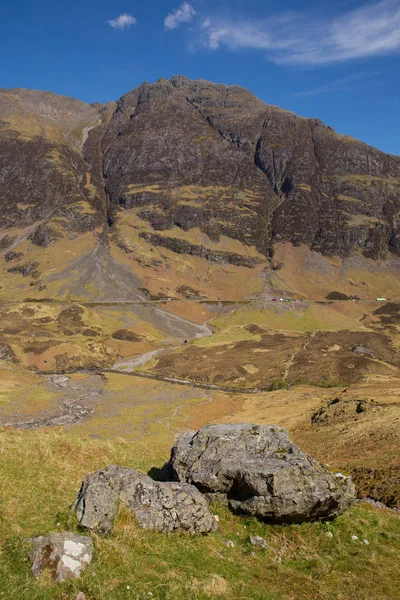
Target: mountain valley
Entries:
(190, 255)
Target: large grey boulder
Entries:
(157, 505)
(257, 470)
(66, 555)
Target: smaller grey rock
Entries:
(359, 349)
(354, 538)
(164, 506)
(66, 555)
(329, 534)
(256, 540)
(80, 596)
(229, 544)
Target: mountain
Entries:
(200, 194)
(186, 189)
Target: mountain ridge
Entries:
(190, 168)
(96, 104)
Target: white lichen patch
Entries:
(73, 548)
(70, 563)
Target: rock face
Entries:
(200, 169)
(96, 504)
(258, 471)
(65, 555)
(161, 506)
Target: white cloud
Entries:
(298, 38)
(122, 21)
(183, 14)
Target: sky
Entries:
(334, 60)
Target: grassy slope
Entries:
(41, 473)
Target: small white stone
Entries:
(216, 518)
(229, 544)
(354, 538)
(128, 587)
(366, 542)
(329, 534)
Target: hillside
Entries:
(191, 255)
(187, 188)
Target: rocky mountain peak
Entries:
(198, 168)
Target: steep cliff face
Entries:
(177, 175)
(164, 160)
(335, 194)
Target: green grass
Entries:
(284, 317)
(277, 384)
(41, 472)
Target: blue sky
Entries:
(335, 60)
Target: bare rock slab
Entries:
(66, 555)
(157, 505)
(258, 471)
(96, 504)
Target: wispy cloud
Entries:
(122, 22)
(183, 14)
(361, 80)
(299, 38)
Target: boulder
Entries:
(157, 505)
(258, 471)
(65, 555)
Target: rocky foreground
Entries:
(255, 470)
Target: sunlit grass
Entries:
(41, 473)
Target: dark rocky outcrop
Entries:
(183, 247)
(126, 336)
(7, 353)
(13, 255)
(257, 470)
(26, 270)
